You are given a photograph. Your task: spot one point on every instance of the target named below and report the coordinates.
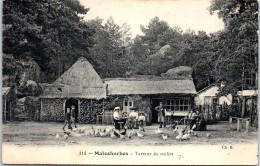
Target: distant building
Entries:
(208, 96)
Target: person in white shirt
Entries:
(117, 115)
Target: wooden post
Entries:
(243, 107)
(247, 125)
(238, 124)
(251, 110)
(41, 110)
(230, 121)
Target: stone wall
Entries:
(89, 109)
(52, 110)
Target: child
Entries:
(141, 120)
(73, 116)
(67, 119)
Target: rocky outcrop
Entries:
(181, 71)
(161, 52)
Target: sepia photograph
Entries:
(130, 82)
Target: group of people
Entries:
(195, 120)
(70, 117)
(123, 120)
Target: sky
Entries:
(186, 14)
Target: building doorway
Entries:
(127, 105)
(71, 102)
(155, 103)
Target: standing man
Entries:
(161, 114)
(73, 116)
(67, 119)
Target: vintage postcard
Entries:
(130, 82)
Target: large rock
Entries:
(181, 71)
(161, 52)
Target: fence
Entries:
(106, 117)
(214, 113)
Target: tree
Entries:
(238, 43)
(152, 32)
(49, 32)
(111, 51)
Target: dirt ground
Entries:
(44, 133)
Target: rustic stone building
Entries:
(146, 92)
(81, 86)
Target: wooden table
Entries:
(238, 122)
(121, 127)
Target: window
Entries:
(177, 105)
(127, 105)
(130, 104)
(215, 101)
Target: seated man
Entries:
(117, 115)
(170, 118)
(133, 118)
(200, 122)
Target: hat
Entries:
(117, 108)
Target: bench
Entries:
(238, 122)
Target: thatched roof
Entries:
(149, 87)
(147, 77)
(79, 81)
